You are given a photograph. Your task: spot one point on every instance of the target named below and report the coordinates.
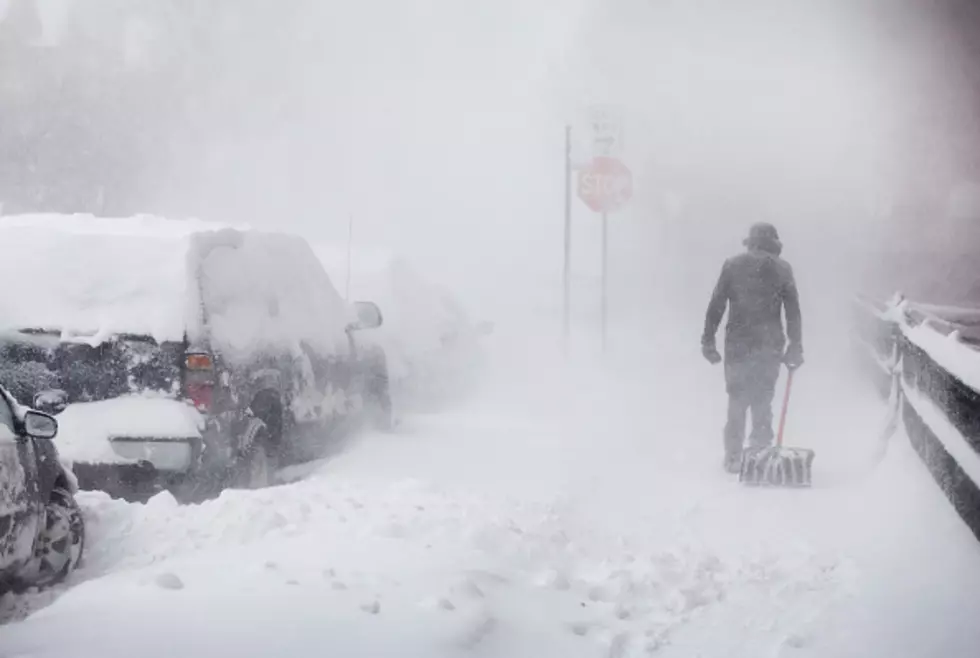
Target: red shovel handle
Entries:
(782, 416)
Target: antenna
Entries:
(350, 239)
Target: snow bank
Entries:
(85, 429)
(399, 569)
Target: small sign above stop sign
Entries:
(605, 185)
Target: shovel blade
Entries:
(777, 467)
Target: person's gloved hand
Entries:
(710, 353)
(793, 357)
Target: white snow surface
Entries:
(84, 429)
(570, 510)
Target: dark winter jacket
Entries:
(756, 286)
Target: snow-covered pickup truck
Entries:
(182, 355)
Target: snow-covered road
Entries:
(566, 511)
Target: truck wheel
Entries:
(60, 544)
(378, 394)
(255, 466)
(379, 400)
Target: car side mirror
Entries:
(52, 401)
(40, 425)
(368, 316)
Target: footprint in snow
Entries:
(619, 646)
(169, 581)
(477, 631)
(796, 641)
(372, 608)
(471, 590)
(554, 579)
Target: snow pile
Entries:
(85, 429)
(434, 572)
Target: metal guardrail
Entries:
(883, 346)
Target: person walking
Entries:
(756, 287)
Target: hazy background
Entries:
(438, 126)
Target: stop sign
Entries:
(605, 185)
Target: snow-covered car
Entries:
(433, 346)
(182, 355)
(42, 533)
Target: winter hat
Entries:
(764, 236)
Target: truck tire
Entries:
(60, 544)
(255, 465)
(379, 397)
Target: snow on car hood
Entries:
(84, 429)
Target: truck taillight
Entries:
(199, 380)
(199, 361)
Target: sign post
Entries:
(605, 276)
(350, 240)
(606, 185)
(567, 273)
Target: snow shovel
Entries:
(778, 466)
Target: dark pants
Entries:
(751, 385)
